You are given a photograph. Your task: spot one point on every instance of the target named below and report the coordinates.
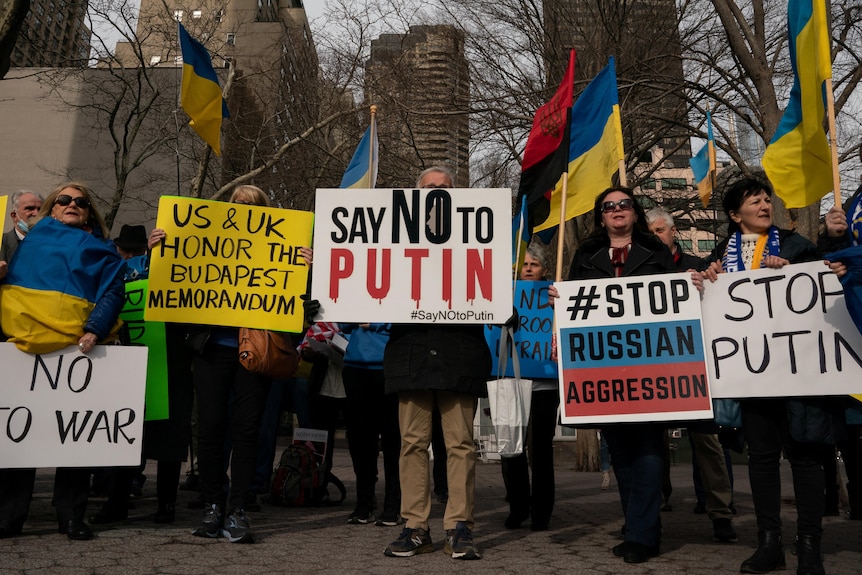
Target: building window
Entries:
(685, 245)
(178, 15)
(154, 60)
(219, 15)
(231, 39)
(197, 13)
(705, 245)
(227, 63)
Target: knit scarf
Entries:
(767, 245)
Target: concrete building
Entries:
(54, 34)
(418, 80)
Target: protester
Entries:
(231, 400)
(537, 502)
(621, 246)
(73, 294)
(770, 423)
(132, 242)
(24, 206)
(708, 454)
(447, 366)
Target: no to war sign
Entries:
(229, 264)
(631, 349)
(781, 332)
(413, 256)
(67, 409)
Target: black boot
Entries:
(808, 553)
(769, 555)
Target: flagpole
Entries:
(833, 141)
(623, 178)
(373, 134)
(561, 230)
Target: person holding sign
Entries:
(770, 424)
(64, 287)
(228, 398)
(621, 245)
(442, 365)
(538, 502)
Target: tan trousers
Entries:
(713, 474)
(414, 415)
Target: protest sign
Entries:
(780, 332)
(67, 409)
(152, 335)
(631, 349)
(229, 264)
(532, 340)
(413, 256)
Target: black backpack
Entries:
(299, 480)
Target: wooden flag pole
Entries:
(373, 134)
(833, 142)
(561, 231)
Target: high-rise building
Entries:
(643, 36)
(420, 83)
(54, 34)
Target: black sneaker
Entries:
(237, 527)
(211, 522)
(361, 516)
(389, 519)
(722, 531)
(459, 543)
(700, 508)
(410, 543)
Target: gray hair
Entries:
(436, 169)
(659, 214)
(13, 199)
(538, 252)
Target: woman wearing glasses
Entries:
(66, 252)
(621, 245)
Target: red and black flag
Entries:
(546, 155)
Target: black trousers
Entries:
(768, 434)
(71, 491)
(223, 387)
(372, 423)
(538, 501)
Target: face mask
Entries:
(23, 226)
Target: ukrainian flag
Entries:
(798, 161)
(55, 278)
(703, 165)
(362, 170)
(201, 95)
(595, 147)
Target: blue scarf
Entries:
(732, 260)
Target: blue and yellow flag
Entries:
(703, 165)
(595, 147)
(55, 278)
(201, 95)
(797, 160)
(362, 170)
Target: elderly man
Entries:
(445, 366)
(24, 206)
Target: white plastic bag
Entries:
(509, 399)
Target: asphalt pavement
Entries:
(585, 525)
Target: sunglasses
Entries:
(65, 200)
(626, 204)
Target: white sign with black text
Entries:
(68, 409)
(413, 256)
(780, 332)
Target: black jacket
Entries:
(648, 255)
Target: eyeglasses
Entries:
(626, 204)
(65, 200)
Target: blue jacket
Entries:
(366, 346)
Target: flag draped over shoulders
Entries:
(55, 278)
(797, 160)
(546, 152)
(201, 94)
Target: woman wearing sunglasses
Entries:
(621, 245)
(64, 287)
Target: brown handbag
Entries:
(269, 353)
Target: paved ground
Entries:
(584, 527)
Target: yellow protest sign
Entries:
(229, 264)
